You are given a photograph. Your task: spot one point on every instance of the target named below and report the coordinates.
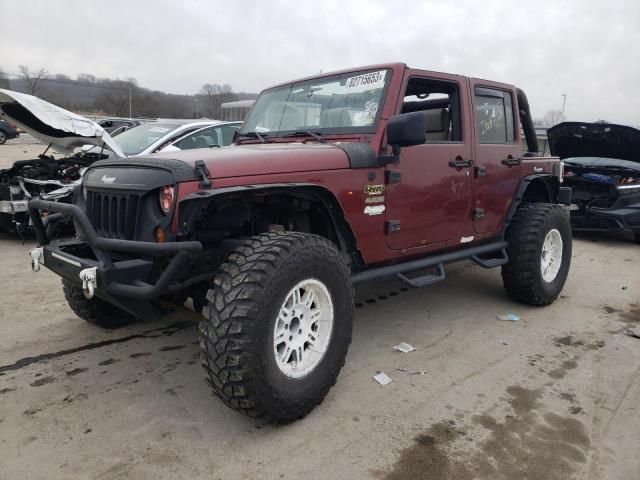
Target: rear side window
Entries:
(494, 116)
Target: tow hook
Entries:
(89, 281)
(36, 255)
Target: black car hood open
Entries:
(606, 140)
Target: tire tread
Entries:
(228, 353)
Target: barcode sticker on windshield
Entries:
(159, 129)
(366, 81)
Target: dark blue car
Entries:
(7, 131)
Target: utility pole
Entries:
(197, 113)
(564, 101)
(130, 114)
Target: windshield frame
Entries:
(324, 131)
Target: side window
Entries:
(228, 132)
(206, 138)
(494, 116)
(174, 137)
(440, 103)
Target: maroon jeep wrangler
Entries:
(375, 172)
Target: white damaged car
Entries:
(48, 176)
(79, 142)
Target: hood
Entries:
(606, 140)
(52, 125)
(257, 159)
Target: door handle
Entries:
(460, 163)
(512, 162)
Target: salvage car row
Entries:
(81, 142)
(332, 180)
(601, 164)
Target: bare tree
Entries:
(553, 117)
(114, 97)
(86, 78)
(213, 96)
(33, 78)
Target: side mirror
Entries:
(405, 130)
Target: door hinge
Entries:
(392, 226)
(200, 169)
(478, 213)
(393, 176)
(480, 171)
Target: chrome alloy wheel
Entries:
(551, 256)
(302, 331)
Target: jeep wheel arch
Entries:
(196, 215)
(533, 189)
(540, 189)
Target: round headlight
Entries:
(166, 196)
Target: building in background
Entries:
(235, 111)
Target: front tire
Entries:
(95, 310)
(539, 250)
(3, 137)
(277, 296)
(636, 235)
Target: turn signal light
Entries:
(167, 194)
(160, 234)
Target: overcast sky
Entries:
(589, 49)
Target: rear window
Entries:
(494, 116)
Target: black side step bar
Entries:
(492, 262)
(432, 261)
(424, 280)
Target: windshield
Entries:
(136, 139)
(347, 103)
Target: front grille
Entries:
(113, 215)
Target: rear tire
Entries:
(259, 306)
(3, 137)
(636, 234)
(95, 310)
(539, 250)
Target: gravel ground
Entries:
(553, 396)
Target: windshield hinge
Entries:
(384, 160)
(203, 173)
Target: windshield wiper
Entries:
(306, 133)
(260, 136)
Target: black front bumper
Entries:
(624, 214)
(124, 268)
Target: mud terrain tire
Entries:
(523, 277)
(245, 308)
(94, 310)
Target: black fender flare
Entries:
(191, 205)
(546, 179)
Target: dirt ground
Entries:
(554, 396)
